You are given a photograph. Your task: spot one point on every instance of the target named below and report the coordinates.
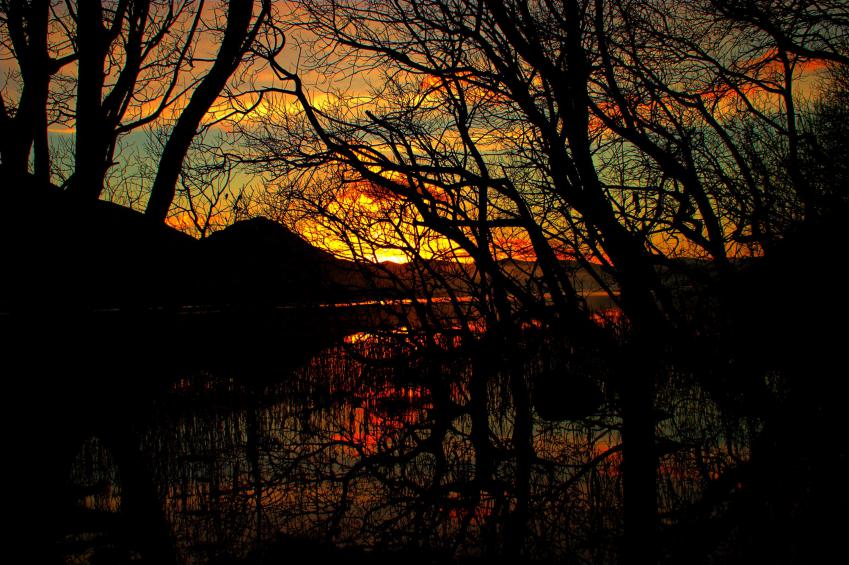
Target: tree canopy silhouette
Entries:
(662, 141)
(106, 69)
(654, 149)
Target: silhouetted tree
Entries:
(807, 28)
(613, 133)
(826, 144)
(237, 41)
(24, 31)
(209, 195)
(139, 63)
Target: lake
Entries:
(245, 437)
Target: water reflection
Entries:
(392, 443)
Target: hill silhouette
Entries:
(260, 260)
(64, 254)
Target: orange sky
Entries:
(363, 202)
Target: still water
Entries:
(380, 443)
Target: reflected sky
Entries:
(372, 444)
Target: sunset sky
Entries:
(377, 227)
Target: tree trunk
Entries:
(89, 158)
(523, 430)
(27, 26)
(174, 153)
(639, 455)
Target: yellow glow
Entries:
(62, 131)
